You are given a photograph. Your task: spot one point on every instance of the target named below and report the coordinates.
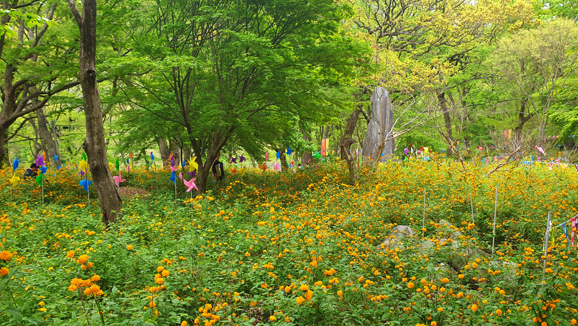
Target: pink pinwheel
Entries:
(118, 179)
(181, 175)
(540, 150)
(266, 156)
(191, 184)
(173, 168)
(277, 167)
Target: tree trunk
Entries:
(165, 152)
(49, 145)
(307, 157)
(3, 148)
(349, 129)
(94, 143)
(283, 158)
(446, 112)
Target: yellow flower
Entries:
(5, 255)
(474, 307)
(300, 300)
(410, 285)
(165, 273)
(129, 247)
(340, 293)
(95, 278)
(184, 323)
(160, 269)
(304, 287)
(160, 280)
(433, 323)
(499, 312)
(440, 309)
(70, 254)
(41, 303)
(42, 309)
(308, 295)
(272, 318)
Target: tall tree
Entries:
(33, 70)
(94, 143)
(230, 70)
(537, 63)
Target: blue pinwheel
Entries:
(85, 184)
(289, 151)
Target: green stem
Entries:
(98, 305)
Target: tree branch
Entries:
(75, 13)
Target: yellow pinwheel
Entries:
(82, 166)
(193, 165)
(15, 180)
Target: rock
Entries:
(449, 231)
(380, 124)
(395, 236)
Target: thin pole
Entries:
(175, 188)
(42, 185)
(423, 220)
(88, 187)
(546, 238)
(472, 204)
(495, 213)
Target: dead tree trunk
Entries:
(94, 143)
(446, 112)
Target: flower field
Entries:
(299, 248)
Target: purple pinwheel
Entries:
(233, 160)
(242, 159)
(39, 160)
(191, 184)
(406, 151)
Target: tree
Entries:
(238, 70)
(33, 70)
(537, 63)
(94, 144)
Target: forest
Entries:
(288, 162)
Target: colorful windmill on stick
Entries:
(40, 178)
(173, 173)
(84, 183)
(15, 179)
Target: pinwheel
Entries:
(317, 156)
(289, 151)
(242, 159)
(40, 178)
(263, 167)
(190, 184)
(234, 170)
(117, 164)
(278, 155)
(173, 175)
(266, 156)
(118, 179)
(193, 166)
(406, 151)
(85, 184)
(152, 159)
(233, 160)
(540, 150)
(181, 175)
(277, 167)
(15, 180)
(39, 161)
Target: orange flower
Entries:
(160, 280)
(4, 271)
(5, 255)
(82, 259)
(129, 247)
(300, 300)
(70, 254)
